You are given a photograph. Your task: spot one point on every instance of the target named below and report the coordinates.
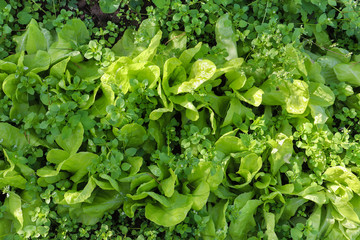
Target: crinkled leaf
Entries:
(342, 175)
(201, 71)
(297, 101)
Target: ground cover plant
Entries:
(218, 120)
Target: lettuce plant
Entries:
(176, 137)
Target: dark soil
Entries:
(100, 19)
(93, 9)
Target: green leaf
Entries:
(249, 166)
(71, 143)
(133, 134)
(332, 2)
(12, 138)
(168, 184)
(87, 71)
(37, 62)
(237, 113)
(6, 227)
(217, 222)
(270, 226)
(183, 100)
(315, 194)
(78, 164)
(275, 92)
(348, 72)
(9, 176)
(161, 3)
(172, 215)
(109, 6)
(131, 206)
(148, 29)
(298, 98)
(252, 96)
(13, 203)
(74, 32)
(58, 70)
(149, 53)
(340, 200)
(321, 95)
(177, 42)
(24, 17)
(7, 67)
(136, 163)
(32, 40)
(314, 71)
(244, 220)
(343, 176)
(187, 55)
(201, 71)
(327, 64)
(291, 207)
(73, 197)
(99, 106)
(225, 36)
(104, 201)
(342, 54)
(229, 144)
(125, 46)
(200, 195)
(281, 152)
(318, 113)
(237, 79)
